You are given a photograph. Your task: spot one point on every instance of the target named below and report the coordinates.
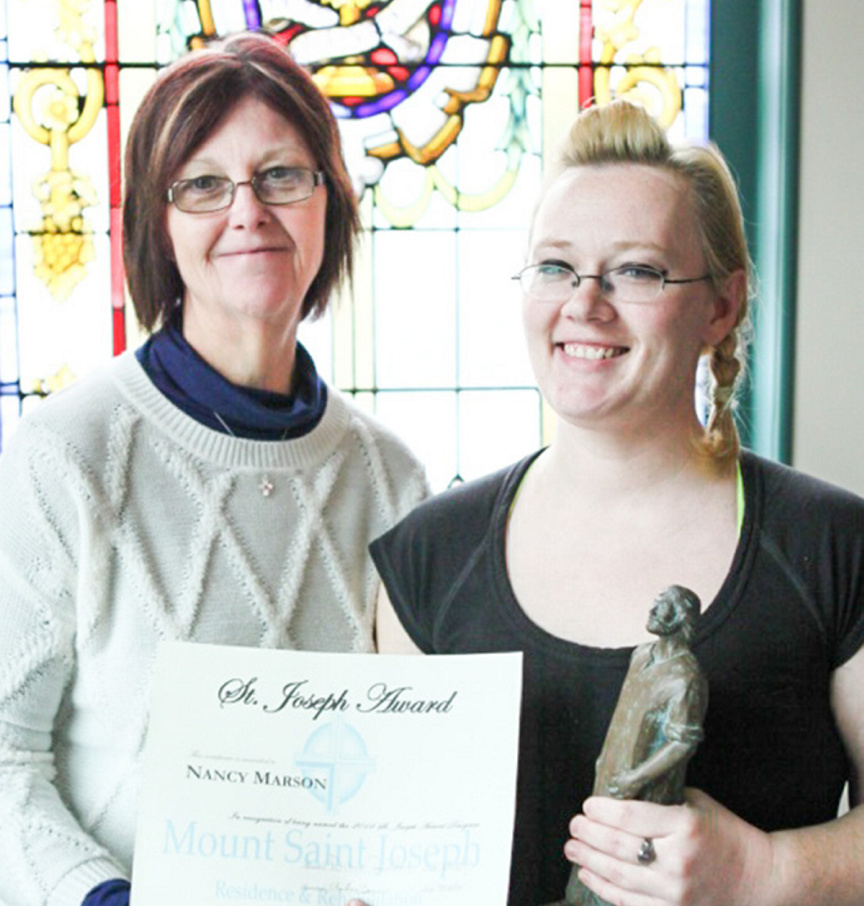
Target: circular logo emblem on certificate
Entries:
(336, 752)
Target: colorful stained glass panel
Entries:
(447, 109)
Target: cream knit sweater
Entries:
(123, 522)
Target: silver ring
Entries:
(647, 854)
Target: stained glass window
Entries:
(446, 109)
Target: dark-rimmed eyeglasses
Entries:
(555, 282)
(276, 185)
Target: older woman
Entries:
(638, 269)
(209, 488)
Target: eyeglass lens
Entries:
(278, 185)
(553, 283)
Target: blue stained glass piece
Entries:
(418, 77)
(439, 42)
(253, 17)
(388, 102)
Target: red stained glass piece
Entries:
(383, 56)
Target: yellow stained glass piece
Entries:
(57, 381)
(352, 82)
(349, 13)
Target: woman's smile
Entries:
(247, 267)
(593, 352)
(598, 358)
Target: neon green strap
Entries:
(740, 496)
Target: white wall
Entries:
(828, 438)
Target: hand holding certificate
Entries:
(303, 778)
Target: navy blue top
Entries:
(109, 893)
(201, 392)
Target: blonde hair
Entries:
(621, 132)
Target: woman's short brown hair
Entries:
(184, 106)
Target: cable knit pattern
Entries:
(125, 522)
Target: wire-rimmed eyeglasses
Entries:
(276, 185)
(556, 282)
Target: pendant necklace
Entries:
(265, 486)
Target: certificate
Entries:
(307, 778)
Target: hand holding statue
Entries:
(703, 854)
(654, 731)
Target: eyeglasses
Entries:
(276, 185)
(556, 282)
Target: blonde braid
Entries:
(726, 363)
(724, 244)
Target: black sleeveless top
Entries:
(789, 613)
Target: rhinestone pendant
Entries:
(265, 487)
